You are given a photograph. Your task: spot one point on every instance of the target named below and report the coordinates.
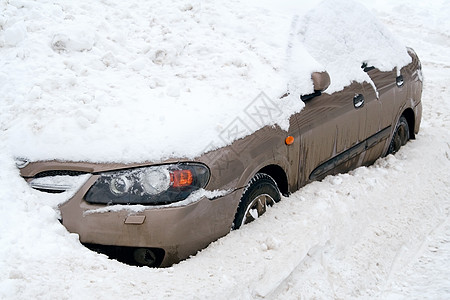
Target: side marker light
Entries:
(289, 140)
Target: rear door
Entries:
(389, 88)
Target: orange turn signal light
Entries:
(289, 140)
(181, 178)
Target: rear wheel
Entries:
(260, 193)
(400, 137)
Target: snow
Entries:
(380, 232)
(117, 81)
(194, 197)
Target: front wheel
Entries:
(260, 193)
(400, 137)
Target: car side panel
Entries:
(330, 125)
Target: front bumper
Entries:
(179, 231)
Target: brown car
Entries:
(158, 214)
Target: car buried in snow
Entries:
(332, 134)
(159, 213)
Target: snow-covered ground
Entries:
(377, 232)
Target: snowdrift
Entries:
(117, 81)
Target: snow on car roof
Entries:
(131, 81)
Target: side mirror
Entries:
(321, 81)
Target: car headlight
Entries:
(149, 185)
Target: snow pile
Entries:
(137, 81)
(342, 35)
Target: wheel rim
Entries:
(257, 208)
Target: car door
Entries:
(333, 131)
(389, 88)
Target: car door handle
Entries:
(399, 80)
(358, 101)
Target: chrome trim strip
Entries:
(51, 187)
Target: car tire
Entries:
(262, 191)
(400, 137)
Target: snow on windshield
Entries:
(129, 81)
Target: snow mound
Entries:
(131, 81)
